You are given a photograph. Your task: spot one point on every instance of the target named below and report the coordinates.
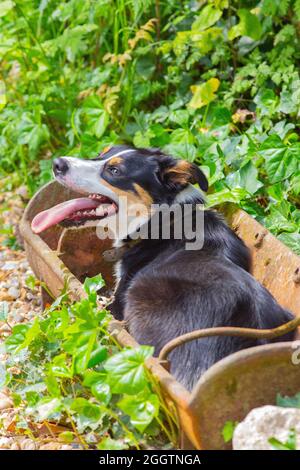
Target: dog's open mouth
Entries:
(75, 212)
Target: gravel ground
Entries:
(23, 304)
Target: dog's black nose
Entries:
(60, 166)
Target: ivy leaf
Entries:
(46, 408)
(86, 414)
(280, 161)
(13, 342)
(93, 284)
(207, 17)
(97, 117)
(281, 165)
(112, 444)
(52, 384)
(32, 332)
(101, 391)
(204, 94)
(6, 7)
(66, 436)
(228, 430)
(98, 355)
(266, 101)
(59, 366)
(126, 373)
(290, 444)
(245, 178)
(292, 240)
(142, 410)
(235, 195)
(249, 25)
(280, 218)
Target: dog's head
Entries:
(142, 177)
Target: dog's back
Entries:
(181, 291)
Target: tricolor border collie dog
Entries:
(164, 289)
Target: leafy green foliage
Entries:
(65, 367)
(228, 430)
(290, 444)
(217, 84)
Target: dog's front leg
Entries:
(117, 307)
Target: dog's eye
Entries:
(114, 170)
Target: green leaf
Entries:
(52, 384)
(46, 408)
(226, 195)
(66, 436)
(249, 25)
(280, 161)
(87, 414)
(290, 444)
(97, 117)
(245, 178)
(101, 391)
(6, 7)
(93, 284)
(101, 124)
(91, 377)
(13, 342)
(112, 444)
(31, 333)
(266, 101)
(82, 358)
(281, 165)
(207, 17)
(280, 218)
(228, 430)
(98, 355)
(141, 409)
(292, 240)
(126, 373)
(59, 366)
(204, 94)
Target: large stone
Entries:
(263, 423)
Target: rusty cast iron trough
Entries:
(234, 385)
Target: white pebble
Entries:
(5, 403)
(263, 423)
(5, 442)
(9, 265)
(14, 292)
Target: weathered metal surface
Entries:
(225, 391)
(238, 383)
(274, 264)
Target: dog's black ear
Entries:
(179, 173)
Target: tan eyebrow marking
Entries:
(115, 161)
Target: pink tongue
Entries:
(58, 213)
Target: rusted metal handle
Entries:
(228, 331)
